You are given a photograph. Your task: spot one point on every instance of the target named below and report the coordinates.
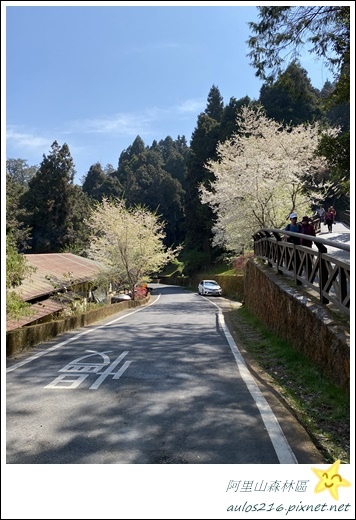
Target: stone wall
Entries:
(26, 337)
(309, 327)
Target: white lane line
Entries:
(283, 450)
(62, 343)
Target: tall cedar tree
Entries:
(18, 175)
(291, 98)
(199, 217)
(145, 179)
(99, 184)
(49, 201)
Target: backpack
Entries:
(294, 240)
(299, 228)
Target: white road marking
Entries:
(63, 343)
(283, 450)
(74, 373)
(108, 371)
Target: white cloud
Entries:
(192, 105)
(135, 123)
(26, 140)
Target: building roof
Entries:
(57, 266)
(63, 269)
(38, 311)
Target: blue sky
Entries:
(97, 76)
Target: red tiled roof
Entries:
(57, 266)
(38, 310)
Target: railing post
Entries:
(296, 264)
(343, 285)
(323, 272)
(278, 238)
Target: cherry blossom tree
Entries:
(262, 174)
(128, 241)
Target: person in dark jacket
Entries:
(292, 257)
(329, 219)
(307, 229)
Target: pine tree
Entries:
(49, 202)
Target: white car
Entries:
(120, 298)
(209, 288)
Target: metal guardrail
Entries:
(326, 275)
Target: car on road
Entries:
(120, 298)
(209, 288)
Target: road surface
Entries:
(161, 384)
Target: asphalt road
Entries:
(161, 384)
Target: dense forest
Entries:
(46, 211)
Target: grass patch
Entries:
(322, 408)
(219, 270)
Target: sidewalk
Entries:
(339, 230)
(340, 233)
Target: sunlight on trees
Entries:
(261, 175)
(129, 241)
(17, 269)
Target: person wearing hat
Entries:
(307, 229)
(293, 226)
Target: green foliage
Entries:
(16, 270)
(215, 105)
(154, 176)
(16, 307)
(175, 268)
(20, 171)
(283, 31)
(51, 200)
(16, 265)
(16, 214)
(321, 406)
(99, 183)
(18, 175)
(337, 152)
(291, 98)
(325, 31)
(193, 260)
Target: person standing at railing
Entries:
(307, 229)
(295, 227)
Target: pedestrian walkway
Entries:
(340, 233)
